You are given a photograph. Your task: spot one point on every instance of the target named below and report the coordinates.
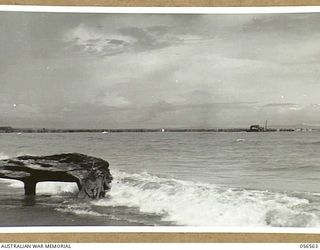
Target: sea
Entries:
(214, 179)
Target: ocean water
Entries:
(186, 179)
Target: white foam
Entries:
(14, 183)
(194, 204)
(56, 187)
(77, 211)
(240, 140)
(47, 187)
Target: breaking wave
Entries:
(193, 204)
(52, 188)
(200, 204)
(57, 188)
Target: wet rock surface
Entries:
(91, 174)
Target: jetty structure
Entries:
(252, 128)
(91, 174)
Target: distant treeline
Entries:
(46, 130)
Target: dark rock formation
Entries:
(91, 174)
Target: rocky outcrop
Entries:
(91, 174)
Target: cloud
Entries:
(188, 114)
(283, 107)
(112, 99)
(18, 110)
(91, 40)
(121, 70)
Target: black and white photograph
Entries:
(160, 119)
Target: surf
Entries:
(189, 203)
(202, 204)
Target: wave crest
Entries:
(199, 204)
(52, 188)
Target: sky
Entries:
(63, 70)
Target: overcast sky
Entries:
(147, 71)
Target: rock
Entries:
(91, 174)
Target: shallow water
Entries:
(194, 179)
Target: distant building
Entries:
(256, 128)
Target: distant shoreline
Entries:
(105, 131)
